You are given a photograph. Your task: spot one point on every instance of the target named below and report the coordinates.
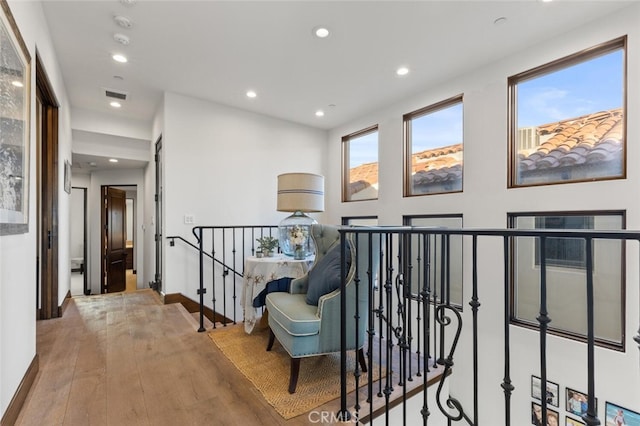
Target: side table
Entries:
(258, 272)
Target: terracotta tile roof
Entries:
(362, 177)
(589, 139)
(437, 165)
(430, 166)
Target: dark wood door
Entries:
(47, 195)
(114, 241)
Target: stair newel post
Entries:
(201, 289)
(343, 414)
(637, 338)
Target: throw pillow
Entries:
(324, 277)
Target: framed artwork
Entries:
(67, 176)
(553, 418)
(576, 402)
(568, 421)
(15, 75)
(551, 394)
(620, 416)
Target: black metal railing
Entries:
(433, 335)
(222, 250)
(414, 324)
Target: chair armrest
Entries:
(299, 285)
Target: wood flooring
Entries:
(127, 359)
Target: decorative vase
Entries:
(288, 225)
(299, 253)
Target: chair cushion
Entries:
(324, 277)
(293, 314)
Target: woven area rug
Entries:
(318, 382)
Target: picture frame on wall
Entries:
(15, 76)
(551, 394)
(576, 402)
(553, 417)
(569, 421)
(67, 176)
(615, 415)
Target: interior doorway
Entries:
(157, 282)
(47, 196)
(78, 246)
(118, 240)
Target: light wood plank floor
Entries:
(126, 359)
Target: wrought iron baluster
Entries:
(506, 381)
(590, 418)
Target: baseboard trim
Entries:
(13, 409)
(192, 306)
(64, 305)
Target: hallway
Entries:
(127, 359)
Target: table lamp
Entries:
(299, 193)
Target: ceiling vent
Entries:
(115, 95)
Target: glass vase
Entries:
(288, 227)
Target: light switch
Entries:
(189, 219)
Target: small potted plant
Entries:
(267, 245)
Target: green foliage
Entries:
(267, 243)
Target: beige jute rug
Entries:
(318, 381)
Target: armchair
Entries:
(306, 330)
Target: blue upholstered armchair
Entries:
(306, 320)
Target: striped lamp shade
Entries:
(303, 192)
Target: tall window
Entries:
(433, 149)
(360, 220)
(567, 119)
(566, 275)
(443, 274)
(360, 165)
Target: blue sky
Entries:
(584, 88)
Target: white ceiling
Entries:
(217, 50)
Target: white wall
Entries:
(18, 252)
(485, 203)
(221, 165)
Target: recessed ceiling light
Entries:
(123, 21)
(120, 58)
(402, 71)
(115, 104)
(113, 160)
(251, 94)
(319, 113)
(321, 32)
(17, 83)
(122, 39)
(500, 21)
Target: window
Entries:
(433, 149)
(567, 119)
(431, 251)
(566, 275)
(360, 220)
(567, 252)
(360, 165)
